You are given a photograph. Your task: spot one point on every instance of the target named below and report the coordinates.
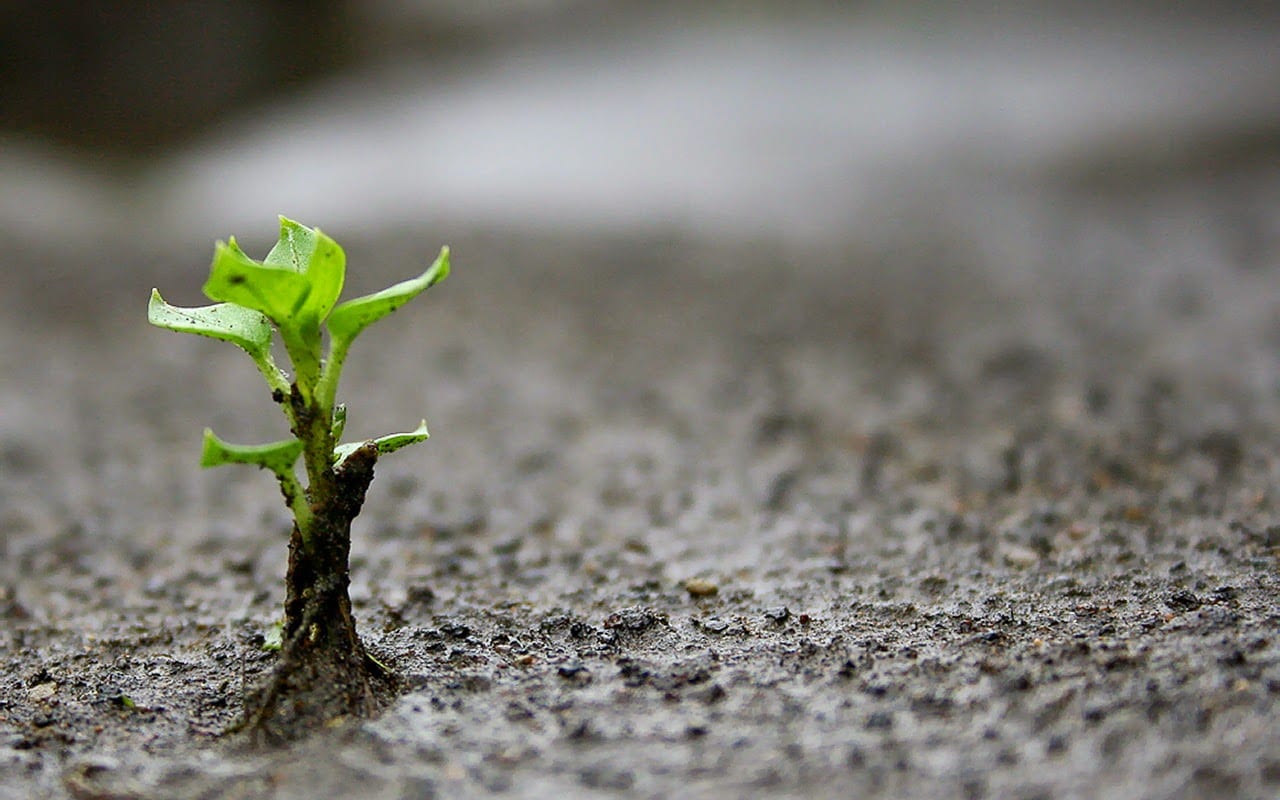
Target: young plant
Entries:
(323, 670)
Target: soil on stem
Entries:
(323, 673)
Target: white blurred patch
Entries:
(782, 129)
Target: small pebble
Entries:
(715, 625)
(777, 614)
(700, 587)
(1183, 600)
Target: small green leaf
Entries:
(310, 252)
(273, 637)
(350, 318)
(292, 251)
(272, 290)
(385, 444)
(339, 420)
(279, 457)
(243, 327)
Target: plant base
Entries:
(303, 697)
(323, 674)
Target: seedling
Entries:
(323, 670)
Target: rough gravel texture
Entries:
(989, 510)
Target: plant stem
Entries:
(331, 371)
(275, 377)
(296, 499)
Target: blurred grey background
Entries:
(166, 124)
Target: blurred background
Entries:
(167, 124)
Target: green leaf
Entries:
(292, 251)
(310, 252)
(339, 420)
(279, 457)
(350, 318)
(243, 327)
(273, 637)
(275, 291)
(385, 444)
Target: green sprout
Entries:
(323, 670)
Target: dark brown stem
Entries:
(323, 672)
